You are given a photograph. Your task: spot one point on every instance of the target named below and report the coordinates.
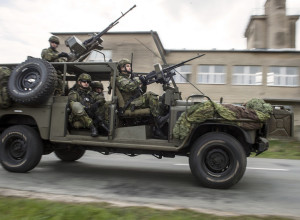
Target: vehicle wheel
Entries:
(217, 160)
(48, 148)
(32, 82)
(21, 148)
(70, 153)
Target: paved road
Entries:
(269, 186)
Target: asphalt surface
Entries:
(269, 186)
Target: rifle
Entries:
(97, 119)
(78, 48)
(163, 76)
(132, 75)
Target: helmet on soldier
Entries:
(84, 77)
(122, 63)
(54, 39)
(96, 84)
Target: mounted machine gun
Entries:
(79, 50)
(164, 76)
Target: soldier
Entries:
(97, 87)
(82, 99)
(132, 89)
(52, 55)
(101, 114)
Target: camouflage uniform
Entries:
(102, 110)
(133, 87)
(5, 100)
(52, 55)
(84, 104)
(79, 99)
(129, 87)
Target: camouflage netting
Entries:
(256, 110)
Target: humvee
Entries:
(36, 121)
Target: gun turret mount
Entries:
(75, 45)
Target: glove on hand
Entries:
(63, 54)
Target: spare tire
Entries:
(32, 82)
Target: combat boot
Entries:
(94, 131)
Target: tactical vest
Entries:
(86, 98)
(127, 87)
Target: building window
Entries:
(283, 76)
(97, 56)
(211, 74)
(186, 73)
(247, 75)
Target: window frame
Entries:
(271, 74)
(247, 75)
(212, 67)
(184, 73)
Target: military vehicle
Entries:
(36, 123)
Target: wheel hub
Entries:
(17, 149)
(217, 160)
(29, 80)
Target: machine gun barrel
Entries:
(79, 50)
(95, 38)
(164, 75)
(167, 69)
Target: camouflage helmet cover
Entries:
(96, 84)
(123, 62)
(84, 77)
(54, 39)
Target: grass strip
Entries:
(34, 209)
(282, 149)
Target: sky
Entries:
(181, 24)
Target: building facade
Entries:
(272, 30)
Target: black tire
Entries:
(48, 148)
(70, 153)
(21, 148)
(32, 82)
(217, 160)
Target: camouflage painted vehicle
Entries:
(36, 124)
